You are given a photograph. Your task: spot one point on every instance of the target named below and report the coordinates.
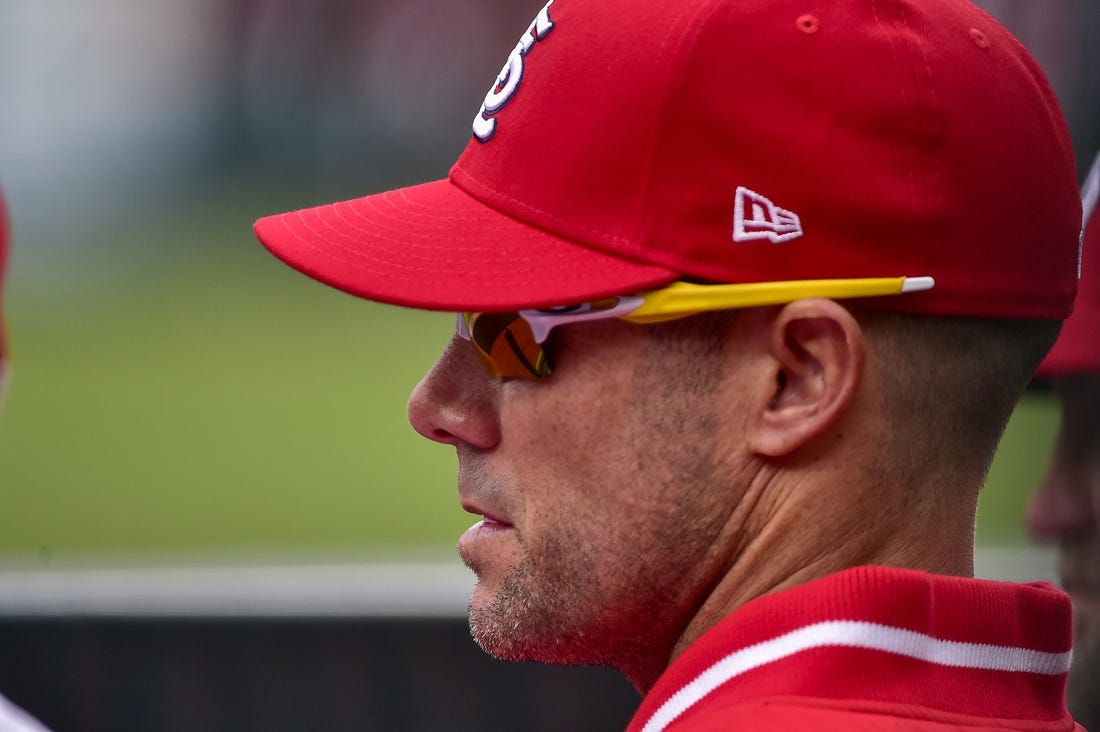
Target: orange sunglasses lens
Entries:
(506, 345)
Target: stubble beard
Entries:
(556, 606)
(517, 626)
(543, 611)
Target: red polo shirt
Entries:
(875, 648)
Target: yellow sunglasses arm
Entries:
(681, 299)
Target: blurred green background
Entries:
(200, 397)
(176, 391)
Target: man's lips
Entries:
(490, 529)
(488, 519)
(495, 523)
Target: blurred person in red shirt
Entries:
(12, 719)
(4, 229)
(1065, 509)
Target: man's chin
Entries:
(503, 634)
(499, 611)
(513, 628)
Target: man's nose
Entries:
(457, 402)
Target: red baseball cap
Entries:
(627, 144)
(1078, 348)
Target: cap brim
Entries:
(434, 247)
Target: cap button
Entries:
(979, 39)
(808, 24)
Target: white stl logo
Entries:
(507, 82)
(756, 217)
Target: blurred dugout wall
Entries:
(119, 97)
(292, 675)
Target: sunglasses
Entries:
(510, 344)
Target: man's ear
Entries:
(817, 353)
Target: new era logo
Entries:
(756, 217)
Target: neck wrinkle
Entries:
(791, 529)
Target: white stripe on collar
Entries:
(856, 634)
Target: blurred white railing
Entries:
(437, 589)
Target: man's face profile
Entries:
(584, 487)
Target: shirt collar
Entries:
(883, 636)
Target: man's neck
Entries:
(791, 531)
